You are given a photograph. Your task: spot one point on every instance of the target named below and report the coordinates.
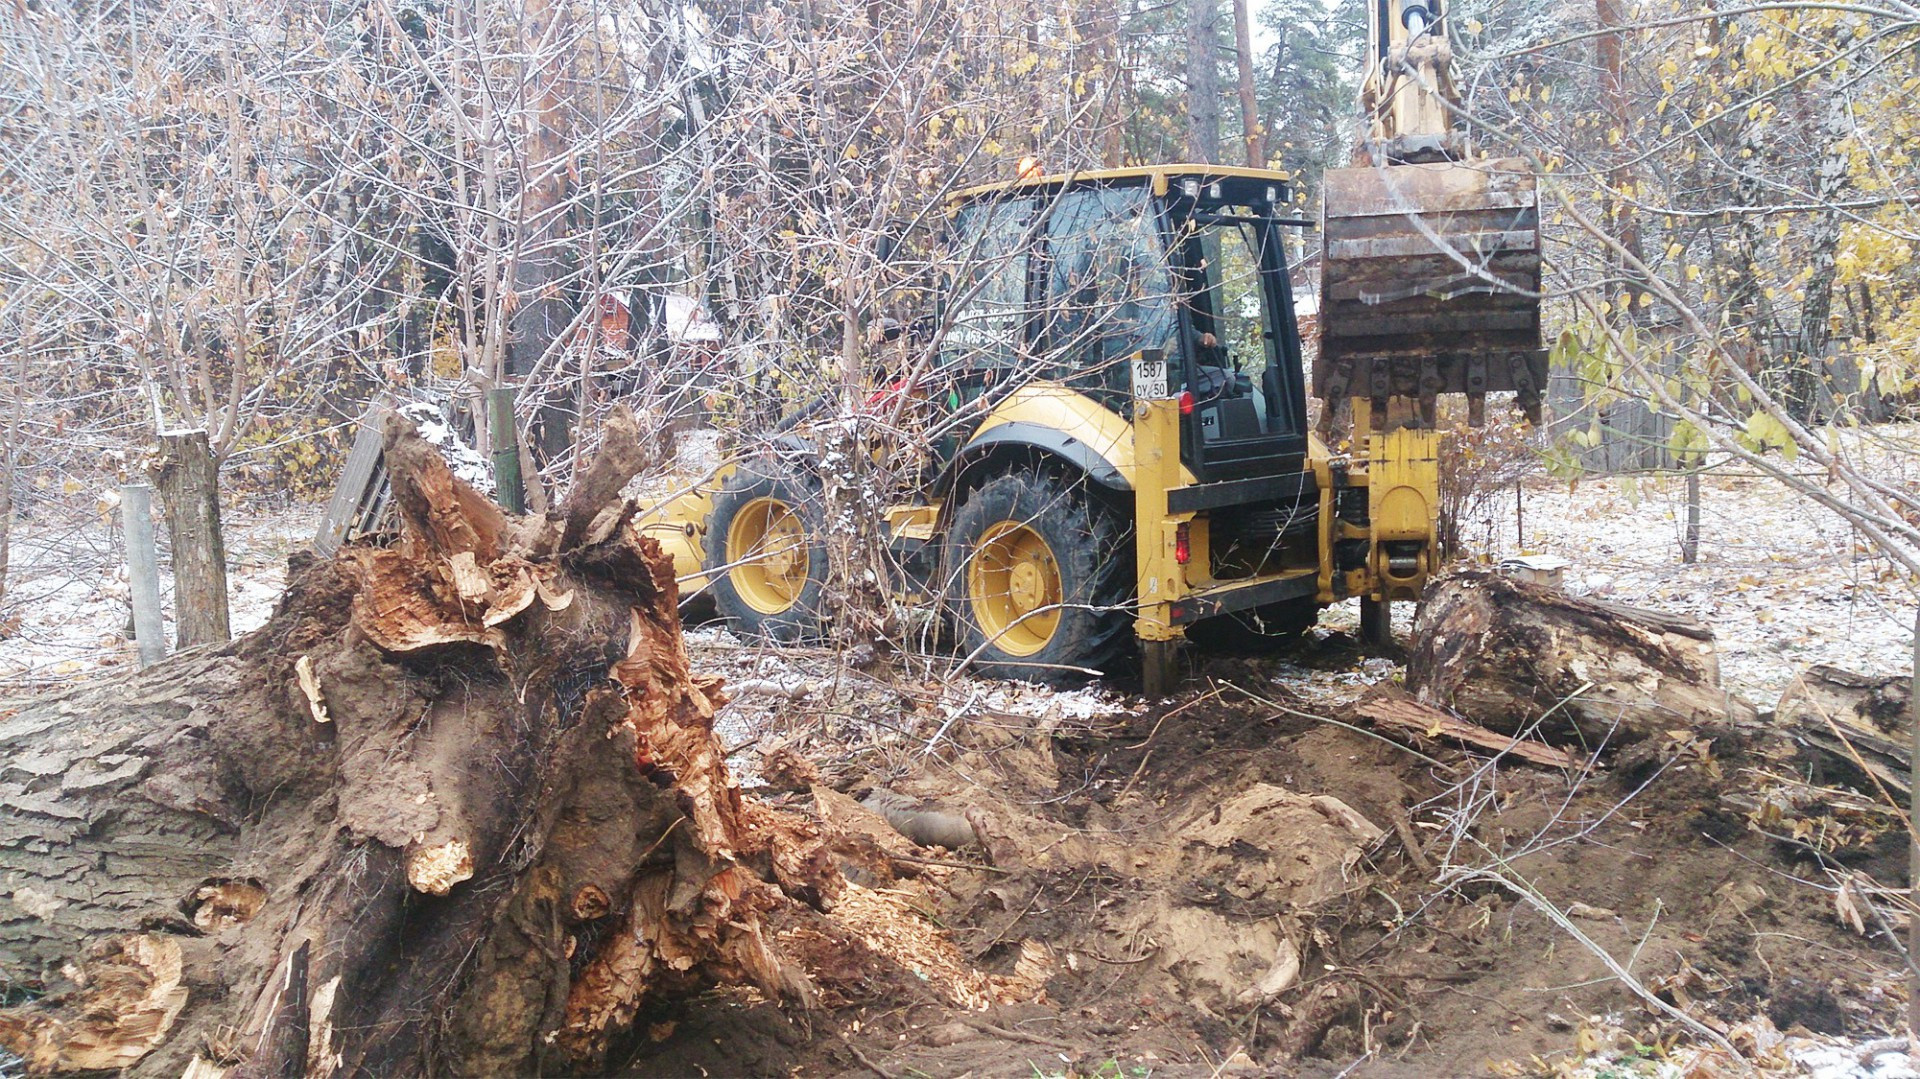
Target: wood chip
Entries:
(436, 869)
(310, 685)
(131, 996)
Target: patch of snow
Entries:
(66, 614)
(1784, 583)
(464, 460)
(1827, 1059)
(1092, 701)
(687, 321)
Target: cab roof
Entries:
(1159, 178)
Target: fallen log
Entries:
(1852, 728)
(1386, 708)
(1513, 656)
(457, 808)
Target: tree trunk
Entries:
(1203, 80)
(1850, 728)
(542, 312)
(1243, 65)
(10, 451)
(188, 478)
(1508, 654)
(1621, 221)
(457, 808)
(1823, 245)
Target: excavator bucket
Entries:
(1430, 284)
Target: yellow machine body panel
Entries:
(1403, 485)
(679, 523)
(1059, 408)
(1403, 499)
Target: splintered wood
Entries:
(459, 807)
(128, 996)
(1409, 716)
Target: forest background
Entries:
(252, 219)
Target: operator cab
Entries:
(1072, 279)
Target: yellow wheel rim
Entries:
(1013, 583)
(767, 550)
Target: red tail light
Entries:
(1182, 548)
(1186, 403)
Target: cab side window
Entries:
(993, 255)
(1108, 290)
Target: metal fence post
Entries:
(503, 433)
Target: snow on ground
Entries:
(779, 692)
(1783, 582)
(1833, 1058)
(65, 614)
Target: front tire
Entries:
(765, 558)
(1038, 578)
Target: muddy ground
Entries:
(1156, 872)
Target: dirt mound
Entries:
(1228, 885)
(1183, 890)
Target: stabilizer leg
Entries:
(1159, 672)
(1376, 621)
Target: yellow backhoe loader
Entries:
(1120, 371)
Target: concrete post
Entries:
(143, 572)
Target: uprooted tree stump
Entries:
(458, 807)
(1512, 655)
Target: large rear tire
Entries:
(1037, 578)
(765, 556)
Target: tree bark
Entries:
(1250, 134)
(1850, 728)
(10, 452)
(457, 808)
(1621, 221)
(1514, 656)
(542, 312)
(1823, 245)
(188, 478)
(1203, 80)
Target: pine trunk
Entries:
(1203, 80)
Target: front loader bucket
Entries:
(1430, 283)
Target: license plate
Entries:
(1150, 378)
